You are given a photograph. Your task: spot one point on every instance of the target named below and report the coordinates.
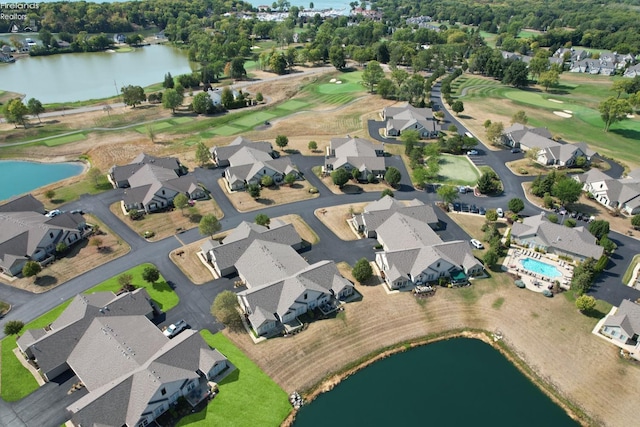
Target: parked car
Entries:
(482, 211)
(77, 211)
(500, 212)
(515, 150)
(462, 189)
(456, 207)
(472, 153)
(175, 328)
(474, 209)
(476, 244)
(53, 213)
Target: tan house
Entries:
(355, 153)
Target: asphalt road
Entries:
(195, 301)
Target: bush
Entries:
(13, 327)
(225, 309)
(601, 264)
(585, 303)
(313, 190)
(362, 270)
(547, 200)
(266, 181)
(553, 218)
(570, 222)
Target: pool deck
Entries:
(537, 282)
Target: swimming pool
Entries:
(540, 267)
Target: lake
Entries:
(458, 382)
(19, 177)
(80, 76)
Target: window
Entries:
(51, 235)
(305, 296)
(143, 423)
(163, 391)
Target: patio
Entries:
(537, 282)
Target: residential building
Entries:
(216, 95)
(376, 213)
(153, 182)
(282, 286)
(221, 154)
(26, 234)
(550, 152)
(632, 71)
(623, 193)
(408, 117)
(224, 256)
(249, 165)
(140, 372)
(355, 153)
(623, 327)
(537, 232)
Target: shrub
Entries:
(585, 303)
(362, 270)
(547, 200)
(266, 181)
(553, 218)
(313, 190)
(13, 327)
(570, 222)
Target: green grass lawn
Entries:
(154, 126)
(253, 119)
(226, 130)
(248, 397)
(159, 292)
(17, 382)
(180, 120)
(64, 139)
(292, 104)
(457, 170)
(71, 192)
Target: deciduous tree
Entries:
(209, 225)
(585, 303)
(614, 110)
(172, 99)
(457, 107)
(225, 309)
(362, 270)
(448, 193)
(392, 176)
(262, 219)
(494, 132)
(520, 116)
(125, 280)
(202, 154)
(181, 201)
(202, 103)
(516, 205)
(254, 190)
(35, 108)
(313, 146)
(31, 268)
(282, 141)
(372, 74)
(340, 177)
(567, 190)
(13, 327)
(15, 112)
(290, 178)
(133, 95)
(150, 274)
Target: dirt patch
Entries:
(168, 223)
(80, 258)
(523, 167)
(335, 219)
(541, 331)
(271, 196)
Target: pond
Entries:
(81, 76)
(456, 382)
(18, 177)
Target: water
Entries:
(459, 382)
(18, 177)
(540, 267)
(79, 76)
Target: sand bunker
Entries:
(339, 82)
(555, 100)
(332, 81)
(568, 111)
(630, 116)
(562, 114)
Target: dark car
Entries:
(482, 211)
(474, 209)
(515, 150)
(456, 207)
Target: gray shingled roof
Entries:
(224, 153)
(247, 171)
(576, 240)
(358, 152)
(125, 172)
(401, 118)
(375, 215)
(237, 242)
(400, 231)
(23, 204)
(592, 175)
(627, 317)
(265, 262)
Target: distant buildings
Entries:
(623, 193)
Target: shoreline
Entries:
(328, 383)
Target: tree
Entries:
(635, 221)
(516, 205)
(387, 192)
(453, 129)
(520, 116)
(532, 154)
(362, 270)
(61, 247)
(614, 110)
(490, 258)
(181, 201)
(150, 274)
(372, 74)
(457, 107)
(172, 99)
(516, 74)
(410, 138)
(94, 174)
(448, 193)
(50, 194)
(13, 327)
(386, 88)
(125, 280)
(225, 309)
(227, 98)
(254, 190)
(262, 219)
(237, 70)
(549, 78)
(202, 103)
(392, 176)
(488, 183)
(259, 97)
(585, 303)
(567, 190)
(35, 108)
(355, 174)
(209, 225)
(340, 177)
(266, 181)
(494, 132)
(337, 57)
(31, 268)
(290, 178)
(282, 141)
(15, 112)
(313, 146)
(608, 244)
(202, 154)
(599, 228)
(538, 65)
(133, 95)
(168, 82)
